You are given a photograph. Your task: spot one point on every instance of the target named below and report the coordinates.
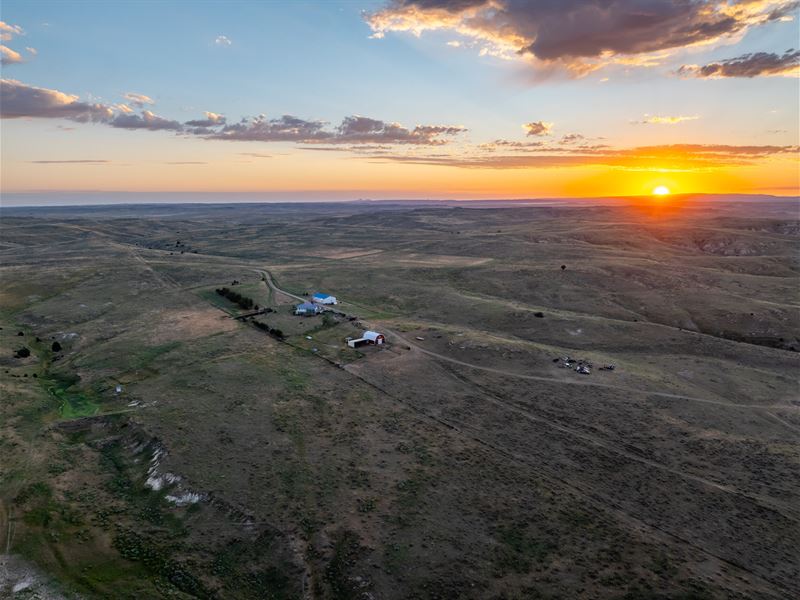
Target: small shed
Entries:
(306, 309)
(323, 298)
(374, 337)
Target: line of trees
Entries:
(270, 330)
(244, 302)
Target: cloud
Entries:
(747, 65)
(211, 120)
(352, 130)
(537, 128)
(138, 99)
(580, 35)
(21, 100)
(145, 120)
(364, 130)
(511, 145)
(223, 40)
(255, 155)
(675, 157)
(664, 120)
(9, 56)
(287, 128)
(85, 161)
(370, 149)
(571, 138)
(7, 32)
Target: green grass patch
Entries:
(73, 402)
(212, 297)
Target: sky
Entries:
(398, 99)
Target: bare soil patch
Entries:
(180, 325)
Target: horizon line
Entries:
(218, 202)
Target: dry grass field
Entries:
(153, 446)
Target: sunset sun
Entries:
(661, 190)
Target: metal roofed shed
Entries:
(323, 298)
(368, 337)
(374, 337)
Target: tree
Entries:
(23, 353)
(56, 347)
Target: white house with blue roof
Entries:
(321, 298)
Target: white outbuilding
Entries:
(374, 337)
(369, 337)
(321, 298)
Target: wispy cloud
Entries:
(223, 40)
(8, 31)
(675, 157)
(579, 36)
(664, 119)
(138, 99)
(84, 161)
(748, 65)
(9, 56)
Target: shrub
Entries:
(56, 347)
(22, 353)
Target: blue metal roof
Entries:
(307, 306)
(321, 296)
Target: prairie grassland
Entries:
(164, 449)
